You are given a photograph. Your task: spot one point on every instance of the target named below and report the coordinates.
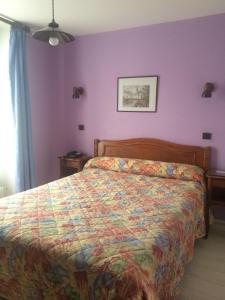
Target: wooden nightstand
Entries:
(216, 188)
(216, 193)
(69, 165)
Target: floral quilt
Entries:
(120, 229)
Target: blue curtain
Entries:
(21, 109)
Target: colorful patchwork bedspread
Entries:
(120, 229)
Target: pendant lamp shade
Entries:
(46, 35)
(52, 34)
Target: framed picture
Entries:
(138, 94)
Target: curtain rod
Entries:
(12, 22)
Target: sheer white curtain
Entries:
(7, 135)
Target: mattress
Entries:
(120, 229)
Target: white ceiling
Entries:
(81, 17)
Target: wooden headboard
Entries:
(154, 149)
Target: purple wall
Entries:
(184, 54)
(45, 71)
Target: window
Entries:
(7, 136)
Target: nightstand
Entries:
(216, 193)
(71, 165)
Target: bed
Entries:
(123, 228)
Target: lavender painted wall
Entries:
(45, 70)
(184, 54)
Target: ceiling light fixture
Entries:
(52, 35)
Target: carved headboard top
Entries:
(154, 149)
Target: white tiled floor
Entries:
(204, 278)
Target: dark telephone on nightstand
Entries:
(73, 154)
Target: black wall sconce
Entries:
(208, 88)
(77, 92)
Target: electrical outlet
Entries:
(81, 127)
(206, 135)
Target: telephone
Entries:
(73, 154)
